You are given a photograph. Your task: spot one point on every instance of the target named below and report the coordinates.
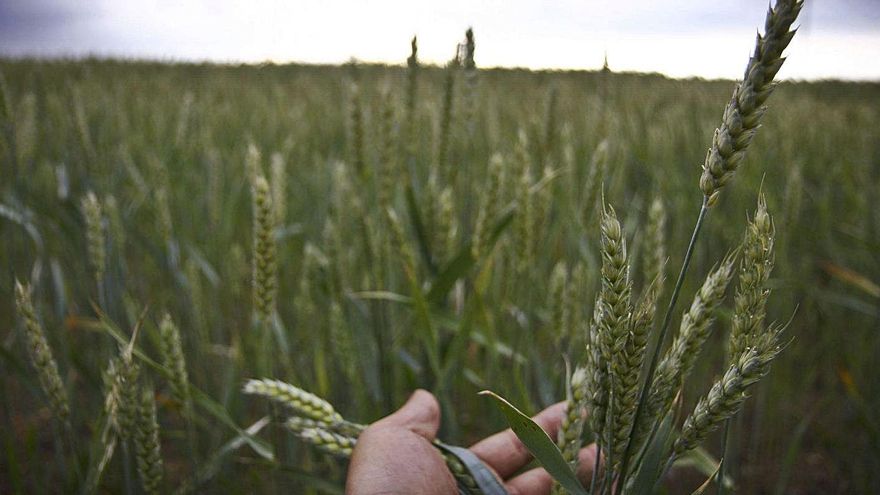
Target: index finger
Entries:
(504, 452)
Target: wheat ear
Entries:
(727, 394)
(752, 294)
(41, 354)
(303, 403)
(265, 263)
(173, 358)
(743, 113)
(146, 442)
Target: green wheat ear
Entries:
(743, 113)
(146, 442)
(173, 358)
(728, 394)
(751, 296)
(301, 402)
(40, 354)
(265, 264)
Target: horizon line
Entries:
(232, 62)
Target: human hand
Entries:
(395, 456)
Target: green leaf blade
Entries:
(539, 444)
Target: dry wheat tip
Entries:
(303, 403)
(743, 113)
(146, 442)
(41, 354)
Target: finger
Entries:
(532, 482)
(395, 455)
(393, 460)
(503, 451)
(586, 463)
(420, 414)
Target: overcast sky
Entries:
(838, 38)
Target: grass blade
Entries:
(539, 444)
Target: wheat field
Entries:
(364, 230)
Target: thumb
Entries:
(420, 414)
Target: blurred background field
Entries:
(164, 149)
